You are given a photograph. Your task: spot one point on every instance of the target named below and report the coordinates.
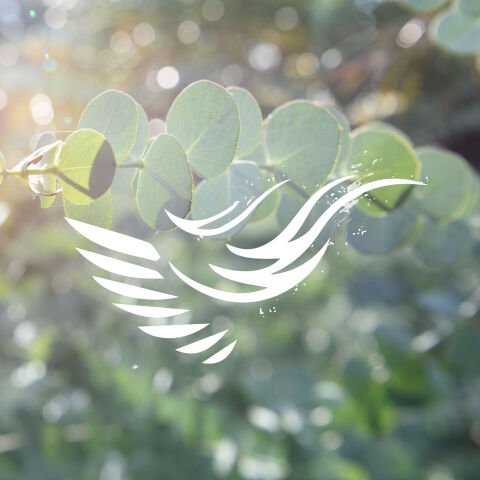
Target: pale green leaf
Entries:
(381, 152)
(86, 166)
(449, 185)
(205, 120)
(164, 183)
(121, 120)
(125, 125)
(456, 32)
(304, 142)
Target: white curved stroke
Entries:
(117, 242)
(276, 248)
(273, 249)
(124, 244)
(278, 284)
(119, 267)
(132, 291)
(206, 221)
(189, 226)
(203, 344)
(173, 331)
(221, 355)
(289, 252)
(150, 312)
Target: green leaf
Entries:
(456, 32)
(304, 141)
(125, 125)
(250, 121)
(443, 245)
(86, 166)
(380, 152)
(449, 188)
(99, 212)
(121, 120)
(3, 167)
(379, 236)
(423, 6)
(205, 120)
(241, 182)
(164, 182)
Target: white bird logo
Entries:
(270, 281)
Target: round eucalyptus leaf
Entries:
(449, 186)
(240, 183)
(250, 121)
(99, 212)
(423, 6)
(205, 120)
(378, 236)
(164, 183)
(381, 152)
(443, 245)
(456, 31)
(86, 166)
(121, 120)
(304, 141)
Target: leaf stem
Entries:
(43, 171)
(31, 171)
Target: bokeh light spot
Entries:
(286, 18)
(41, 109)
(213, 10)
(168, 77)
(188, 32)
(143, 34)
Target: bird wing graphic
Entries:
(277, 278)
(285, 248)
(119, 243)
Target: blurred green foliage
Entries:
(368, 371)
